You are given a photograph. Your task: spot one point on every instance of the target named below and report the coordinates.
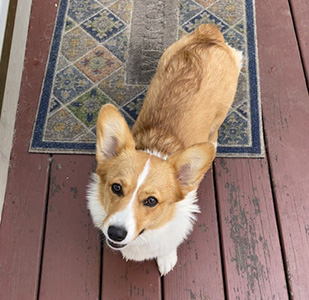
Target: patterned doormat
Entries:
(107, 51)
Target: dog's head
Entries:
(136, 190)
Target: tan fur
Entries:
(186, 103)
(191, 92)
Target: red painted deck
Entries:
(251, 240)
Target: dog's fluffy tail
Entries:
(206, 32)
(183, 67)
(188, 57)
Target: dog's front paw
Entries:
(167, 262)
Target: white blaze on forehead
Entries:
(125, 218)
(141, 179)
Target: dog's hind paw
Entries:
(167, 262)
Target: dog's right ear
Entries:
(113, 134)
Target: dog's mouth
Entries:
(114, 245)
(119, 246)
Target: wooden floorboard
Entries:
(22, 226)
(285, 105)
(251, 251)
(300, 13)
(198, 273)
(23, 216)
(129, 280)
(72, 254)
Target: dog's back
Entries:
(192, 90)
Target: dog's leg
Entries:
(167, 262)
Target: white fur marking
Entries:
(142, 177)
(125, 218)
(167, 262)
(95, 206)
(238, 56)
(156, 153)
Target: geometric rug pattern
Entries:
(87, 68)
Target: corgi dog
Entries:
(143, 196)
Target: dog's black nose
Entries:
(116, 234)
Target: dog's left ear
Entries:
(191, 165)
(113, 134)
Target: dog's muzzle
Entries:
(116, 234)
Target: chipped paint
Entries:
(307, 229)
(190, 243)
(192, 296)
(203, 227)
(54, 188)
(222, 163)
(75, 193)
(245, 240)
(256, 203)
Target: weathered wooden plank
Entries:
(71, 257)
(129, 280)
(252, 255)
(300, 10)
(286, 113)
(198, 273)
(22, 224)
(24, 207)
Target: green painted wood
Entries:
(251, 250)
(72, 255)
(285, 104)
(198, 273)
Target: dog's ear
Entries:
(113, 133)
(191, 164)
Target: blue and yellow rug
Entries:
(107, 51)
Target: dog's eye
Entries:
(150, 201)
(117, 189)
